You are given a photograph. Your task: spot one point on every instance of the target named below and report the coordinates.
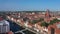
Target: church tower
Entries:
(47, 16)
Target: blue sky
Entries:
(29, 5)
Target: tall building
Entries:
(4, 26)
(47, 16)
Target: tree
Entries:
(25, 19)
(34, 21)
(44, 24)
(41, 19)
(54, 21)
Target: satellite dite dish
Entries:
(58, 25)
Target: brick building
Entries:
(54, 29)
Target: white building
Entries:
(26, 23)
(4, 26)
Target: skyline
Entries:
(29, 5)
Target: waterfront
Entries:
(15, 27)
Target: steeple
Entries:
(47, 15)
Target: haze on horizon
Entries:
(29, 5)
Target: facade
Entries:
(4, 26)
(54, 29)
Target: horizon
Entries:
(29, 5)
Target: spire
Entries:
(47, 15)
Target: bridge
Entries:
(26, 29)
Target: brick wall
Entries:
(56, 30)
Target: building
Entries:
(4, 26)
(47, 16)
(54, 29)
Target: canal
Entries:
(15, 27)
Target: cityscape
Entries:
(30, 22)
(29, 16)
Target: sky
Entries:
(29, 5)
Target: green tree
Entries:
(41, 19)
(44, 24)
(34, 21)
(54, 21)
